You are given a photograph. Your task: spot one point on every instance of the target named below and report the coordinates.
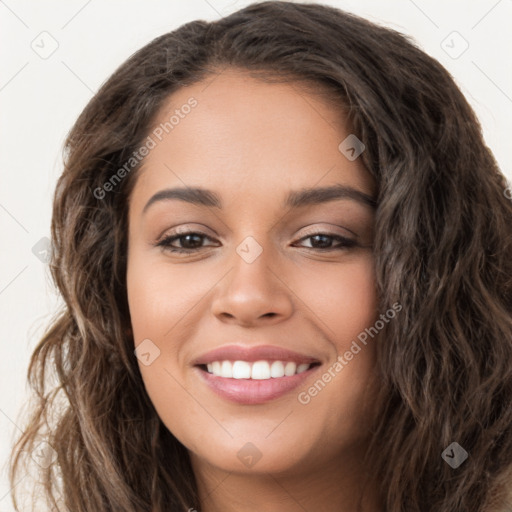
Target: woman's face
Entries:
(268, 267)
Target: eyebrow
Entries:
(295, 199)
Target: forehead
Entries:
(244, 136)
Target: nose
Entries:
(252, 294)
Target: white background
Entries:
(41, 98)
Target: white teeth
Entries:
(302, 367)
(226, 370)
(290, 369)
(241, 370)
(277, 369)
(216, 368)
(259, 370)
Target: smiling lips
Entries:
(253, 375)
(251, 354)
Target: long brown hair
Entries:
(443, 249)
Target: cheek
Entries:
(342, 297)
(344, 301)
(160, 296)
(163, 300)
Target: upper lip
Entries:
(251, 354)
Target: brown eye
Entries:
(325, 241)
(187, 242)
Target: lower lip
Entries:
(252, 392)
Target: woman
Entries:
(285, 255)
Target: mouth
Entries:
(253, 383)
(257, 370)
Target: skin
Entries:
(252, 142)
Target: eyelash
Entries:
(345, 243)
